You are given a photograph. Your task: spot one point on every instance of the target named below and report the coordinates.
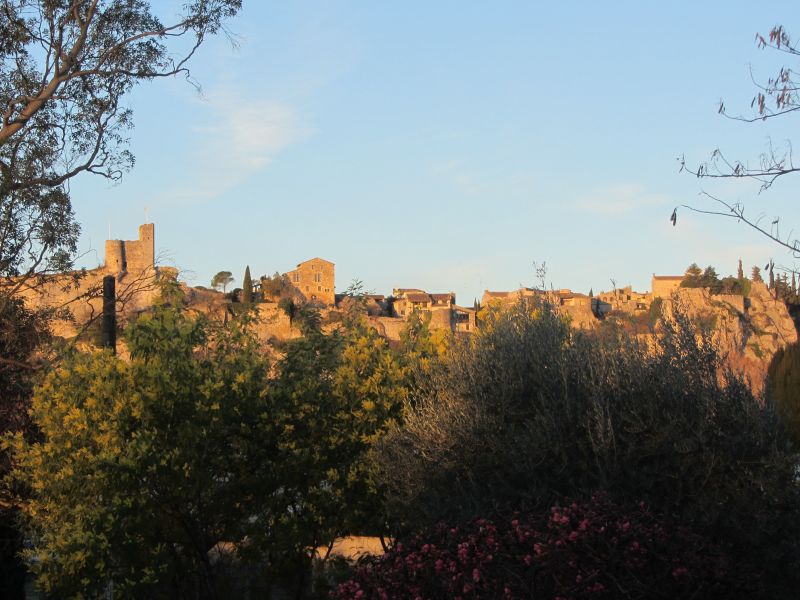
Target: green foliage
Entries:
(529, 411)
(277, 287)
(22, 334)
(247, 287)
(783, 387)
(693, 274)
(708, 278)
(736, 286)
(144, 466)
(222, 280)
(655, 313)
(289, 307)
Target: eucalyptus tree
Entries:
(65, 69)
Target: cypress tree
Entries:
(247, 287)
(740, 271)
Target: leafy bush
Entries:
(198, 467)
(596, 549)
(783, 387)
(529, 411)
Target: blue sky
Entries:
(449, 145)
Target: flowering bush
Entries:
(596, 549)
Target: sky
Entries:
(450, 145)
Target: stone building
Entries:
(132, 256)
(442, 308)
(664, 285)
(132, 262)
(625, 300)
(314, 281)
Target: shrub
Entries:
(530, 411)
(596, 549)
(783, 387)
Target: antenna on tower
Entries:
(109, 231)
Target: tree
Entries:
(778, 96)
(693, 276)
(756, 274)
(739, 270)
(277, 287)
(22, 333)
(145, 465)
(290, 308)
(247, 287)
(65, 68)
(783, 387)
(222, 279)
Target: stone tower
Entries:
(132, 256)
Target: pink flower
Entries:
(573, 536)
(476, 575)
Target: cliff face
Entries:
(749, 330)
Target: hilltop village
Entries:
(749, 328)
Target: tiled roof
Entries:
(418, 297)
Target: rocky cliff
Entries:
(749, 331)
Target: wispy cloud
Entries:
(240, 136)
(474, 182)
(620, 199)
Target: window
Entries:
(296, 277)
(319, 288)
(307, 288)
(317, 278)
